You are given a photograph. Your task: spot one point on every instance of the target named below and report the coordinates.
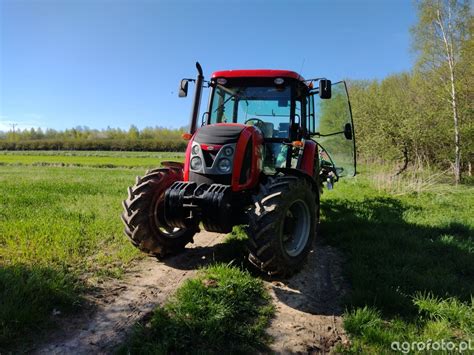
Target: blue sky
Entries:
(100, 63)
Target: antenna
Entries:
(13, 126)
(302, 63)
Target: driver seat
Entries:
(267, 129)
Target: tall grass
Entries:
(416, 178)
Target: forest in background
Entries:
(83, 138)
(421, 118)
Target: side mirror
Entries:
(183, 88)
(204, 118)
(325, 89)
(348, 131)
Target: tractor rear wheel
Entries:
(143, 214)
(282, 224)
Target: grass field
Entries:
(410, 262)
(60, 230)
(87, 158)
(409, 257)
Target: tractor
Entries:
(268, 143)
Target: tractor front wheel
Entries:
(282, 224)
(143, 214)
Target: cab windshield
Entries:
(267, 107)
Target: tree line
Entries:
(84, 138)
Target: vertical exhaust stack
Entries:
(197, 99)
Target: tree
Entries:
(133, 133)
(439, 36)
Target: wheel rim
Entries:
(160, 223)
(296, 227)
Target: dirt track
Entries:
(307, 319)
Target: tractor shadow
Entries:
(230, 249)
(318, 287)
(386, 259)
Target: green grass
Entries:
(59, 232)
(87, 158)
(410, 262)
(223, 309)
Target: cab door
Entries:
(334, 130)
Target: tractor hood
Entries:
(220, 133)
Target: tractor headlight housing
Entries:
(228, 151)
(196, 163)
(224, 165)
(195, 149)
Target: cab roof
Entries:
(257, 73)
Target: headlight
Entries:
(228, 151)
(196, 163)
(224, 165)
(195, 149)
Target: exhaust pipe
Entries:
(197, 99)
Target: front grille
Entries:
(210, 179)
(209, 157)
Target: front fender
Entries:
(300, 173)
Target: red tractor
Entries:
(267, 144)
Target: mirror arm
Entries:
(326, 135)
(311, 80)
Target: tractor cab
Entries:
(288, 112)
(273, 102)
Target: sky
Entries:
(100, 63)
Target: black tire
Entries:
(143, 214)
(285, 206)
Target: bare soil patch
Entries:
(308, 306)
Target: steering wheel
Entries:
(258, 123)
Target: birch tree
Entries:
(439, 36)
